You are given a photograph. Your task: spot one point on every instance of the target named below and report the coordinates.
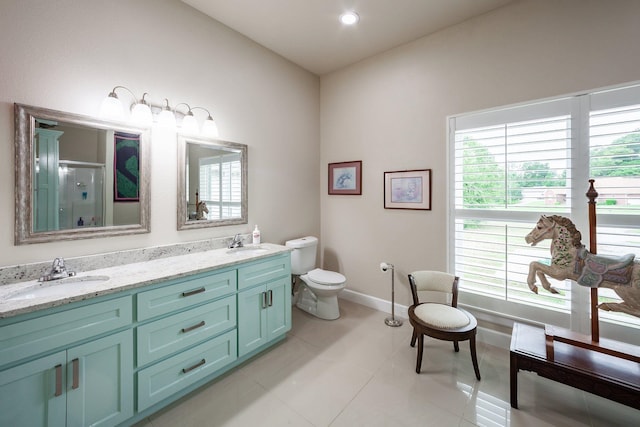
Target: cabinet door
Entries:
(279, 310)
(252, 319)
(100, 381)
(28, 393)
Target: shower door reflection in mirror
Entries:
(78, 177)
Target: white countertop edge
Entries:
(130, 276)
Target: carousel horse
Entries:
(570, 260)
(201, 209)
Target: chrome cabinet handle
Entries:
(76, 373)
(191, 328)
(58, 369)
(200, 363)
(264, 300)
(270, 297)
(193, 292)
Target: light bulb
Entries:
(166, 117)
(209, 128)
(111, 108)
(189, 123)
(349, 18)
(141, 113)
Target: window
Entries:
(220, 185)
(510, 165)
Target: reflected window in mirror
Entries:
(212, 183)
(78, 177)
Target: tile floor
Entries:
(356, 371)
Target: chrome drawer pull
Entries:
(58, 369)
(191, 328)
(76, 373)
(200, 363)
(193, 292)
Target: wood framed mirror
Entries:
(78, 177)
(212, 182)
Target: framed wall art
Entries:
(126, 166)
(408, 189)
(345, 178)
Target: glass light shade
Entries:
(141, 113)
(112, 108)
(209, 128)
(166, 118)
(190, 124)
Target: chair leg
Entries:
(420, 348)
(456, 347)
(414, 336)
(474, 357)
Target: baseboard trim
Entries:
(485, 335)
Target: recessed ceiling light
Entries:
(349, 18)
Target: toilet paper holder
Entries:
(391, 321)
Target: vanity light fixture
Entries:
(112, 108)
(349, 18)
(142, 112)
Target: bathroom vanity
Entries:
(113, 351)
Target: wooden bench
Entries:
(602, 374)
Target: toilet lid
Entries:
(326, 277)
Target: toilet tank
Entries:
(303, 256)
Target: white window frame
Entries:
(219, 206)
(579, 105)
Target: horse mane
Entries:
(576, 236)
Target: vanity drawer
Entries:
(264, 271)
(185, 293)
(34, 336)
(169, 335)
(170, 376)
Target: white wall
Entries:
(68, 54)
(390, 112)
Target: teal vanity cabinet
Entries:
(264, 302)
(186, 332)
(115, 359)
(68, 368)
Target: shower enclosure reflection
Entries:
(78, 177)
(80, 195)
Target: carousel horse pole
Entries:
(592, 194)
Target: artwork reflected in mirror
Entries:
(78, 177)
(212, 183)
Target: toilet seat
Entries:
(324, 277)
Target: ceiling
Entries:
(308, 32)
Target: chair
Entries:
(440, 320)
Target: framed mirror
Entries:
(212, 183)
(78, 177)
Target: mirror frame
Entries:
(183, 222)
(24, 119)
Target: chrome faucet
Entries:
(58, 271)
(236, 242)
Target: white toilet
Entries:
(318, 292)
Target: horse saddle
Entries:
(598, 268)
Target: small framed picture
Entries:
(345, 178)
(408, 189)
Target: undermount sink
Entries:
(247, 250)
(56, 288)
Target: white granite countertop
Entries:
(124, 277)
